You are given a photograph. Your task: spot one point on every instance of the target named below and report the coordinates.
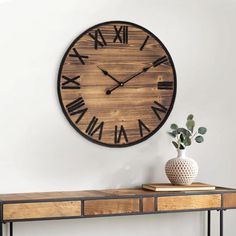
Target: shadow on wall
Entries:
(140, 169)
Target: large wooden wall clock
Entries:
(117, 84)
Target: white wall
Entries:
(40, 151)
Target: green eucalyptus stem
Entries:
(193, 135)
(184, 136)
(178, 141)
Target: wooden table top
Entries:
(97, 194)
(110, 202)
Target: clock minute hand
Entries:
(135, 75)
(156, 63)
(109, 91)
(121, 84)
(109, 75)
(145, 69)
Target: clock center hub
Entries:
(108, 92)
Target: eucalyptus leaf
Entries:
(172, 134)
(202, 130)
(199, 139)
(175, 144)
(174, 126)
(190, 124)
(187, 141)
(182, 137)
(184, 131)
(190, 117)
(185, 136)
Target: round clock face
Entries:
(117, 84)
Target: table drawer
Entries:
(38, 210)
(111, 206)
(229, 200)
(149, 204)
(191, 202)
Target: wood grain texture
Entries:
(127, 104)
(41, 210)
(127, 192)
(75, 195)
(26, 206)
(111, 206)
(148, 204)
(39, 196)
(192, 202)
(229, 200)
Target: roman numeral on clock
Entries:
(165, 85)
(70, 83)
(157, 108)
(98, 39)
(77, 107)
(121, 34)
(79, 56)
(141, 127)
(160, 61)
(119, 134)
(92, 128)
(144, 43)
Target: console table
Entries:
(113, 202)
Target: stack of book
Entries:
(162, 187)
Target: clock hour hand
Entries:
(109, 75)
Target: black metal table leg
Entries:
(11, 229)
(1, 229)
(221, 222)
(208, 223)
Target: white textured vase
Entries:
(181, 170)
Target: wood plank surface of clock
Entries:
(117, 83)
